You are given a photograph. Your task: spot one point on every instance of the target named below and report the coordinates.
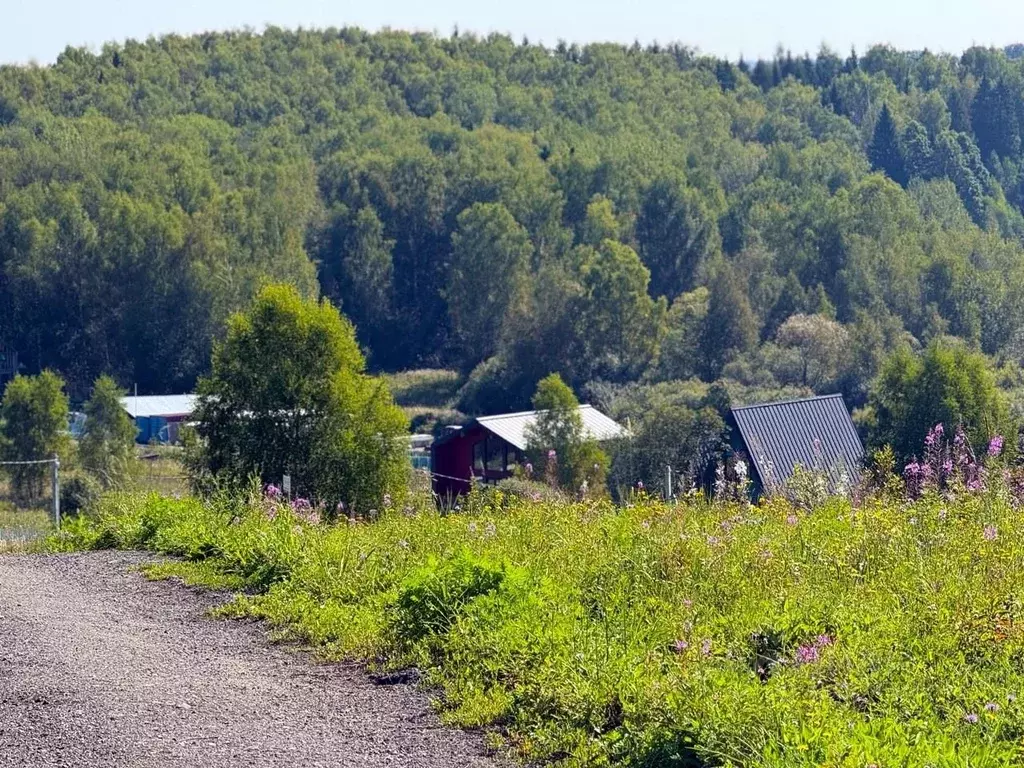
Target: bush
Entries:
(79, 491)
(432, 597)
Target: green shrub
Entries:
(79, 491)
(432, 597)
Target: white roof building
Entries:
(511, 427)
(165, 406)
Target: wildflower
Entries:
(947, 467)
(990, 533)
(942, 514)
(991, 707)
(792, 519)
(490, 530)
(705, 647)
(714, 541)
(472, 528)
(823, 641)
(529, 469)
(806, 654)
(971, 718)
(741, 470)
(995, 446)
(387, 501)
(646, 525)
(301, 505)
(552, 454)
(639, 485)
(273, 492)
(403, 544)
(688, 603)
(913, 521)
(680, 646)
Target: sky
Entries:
(38, 30)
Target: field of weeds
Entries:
(22, 529)
(886, 633)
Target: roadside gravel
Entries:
(99, 667)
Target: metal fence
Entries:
(33, 511)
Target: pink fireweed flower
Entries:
(995, 446)
(529, 469)
(552, 453)
(273, 492)
(807, 654)
(991, 533)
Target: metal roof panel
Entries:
(159, 405)
(815, 433)
(511, 427)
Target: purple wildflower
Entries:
(714, 541)
(995, 446)
(552, 453)
(705, 647)
(529, 469)
(680, 646)
(971, 718)
(991, 707)
(991, 533)
(273, 492)
(639, 485)
(807, 654)
(792, 519)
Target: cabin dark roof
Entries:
(813, 433)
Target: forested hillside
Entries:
(616, 214)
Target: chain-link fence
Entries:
(29, 501)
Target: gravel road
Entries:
(99, 667)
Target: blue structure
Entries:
(158, 418)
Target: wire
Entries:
(26, 463)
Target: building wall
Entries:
(453, 458)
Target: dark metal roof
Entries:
(816, 433)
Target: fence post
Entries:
(55, 476)
(668, 483)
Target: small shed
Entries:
(490, 448)
(813, 433)
(159, 417)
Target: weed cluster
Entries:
(885, 633)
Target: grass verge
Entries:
(889, 634)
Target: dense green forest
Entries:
(617, 214)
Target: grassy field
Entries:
(886, 634)
(21, 529)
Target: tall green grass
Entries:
(890, 634)
(22, 529)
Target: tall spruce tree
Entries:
(885, 152)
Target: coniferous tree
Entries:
(884, 151)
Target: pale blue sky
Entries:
(40, 29)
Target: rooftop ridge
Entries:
(816, 398)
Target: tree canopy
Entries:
(508, 209)
(288, 395)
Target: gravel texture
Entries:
(99, 667)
